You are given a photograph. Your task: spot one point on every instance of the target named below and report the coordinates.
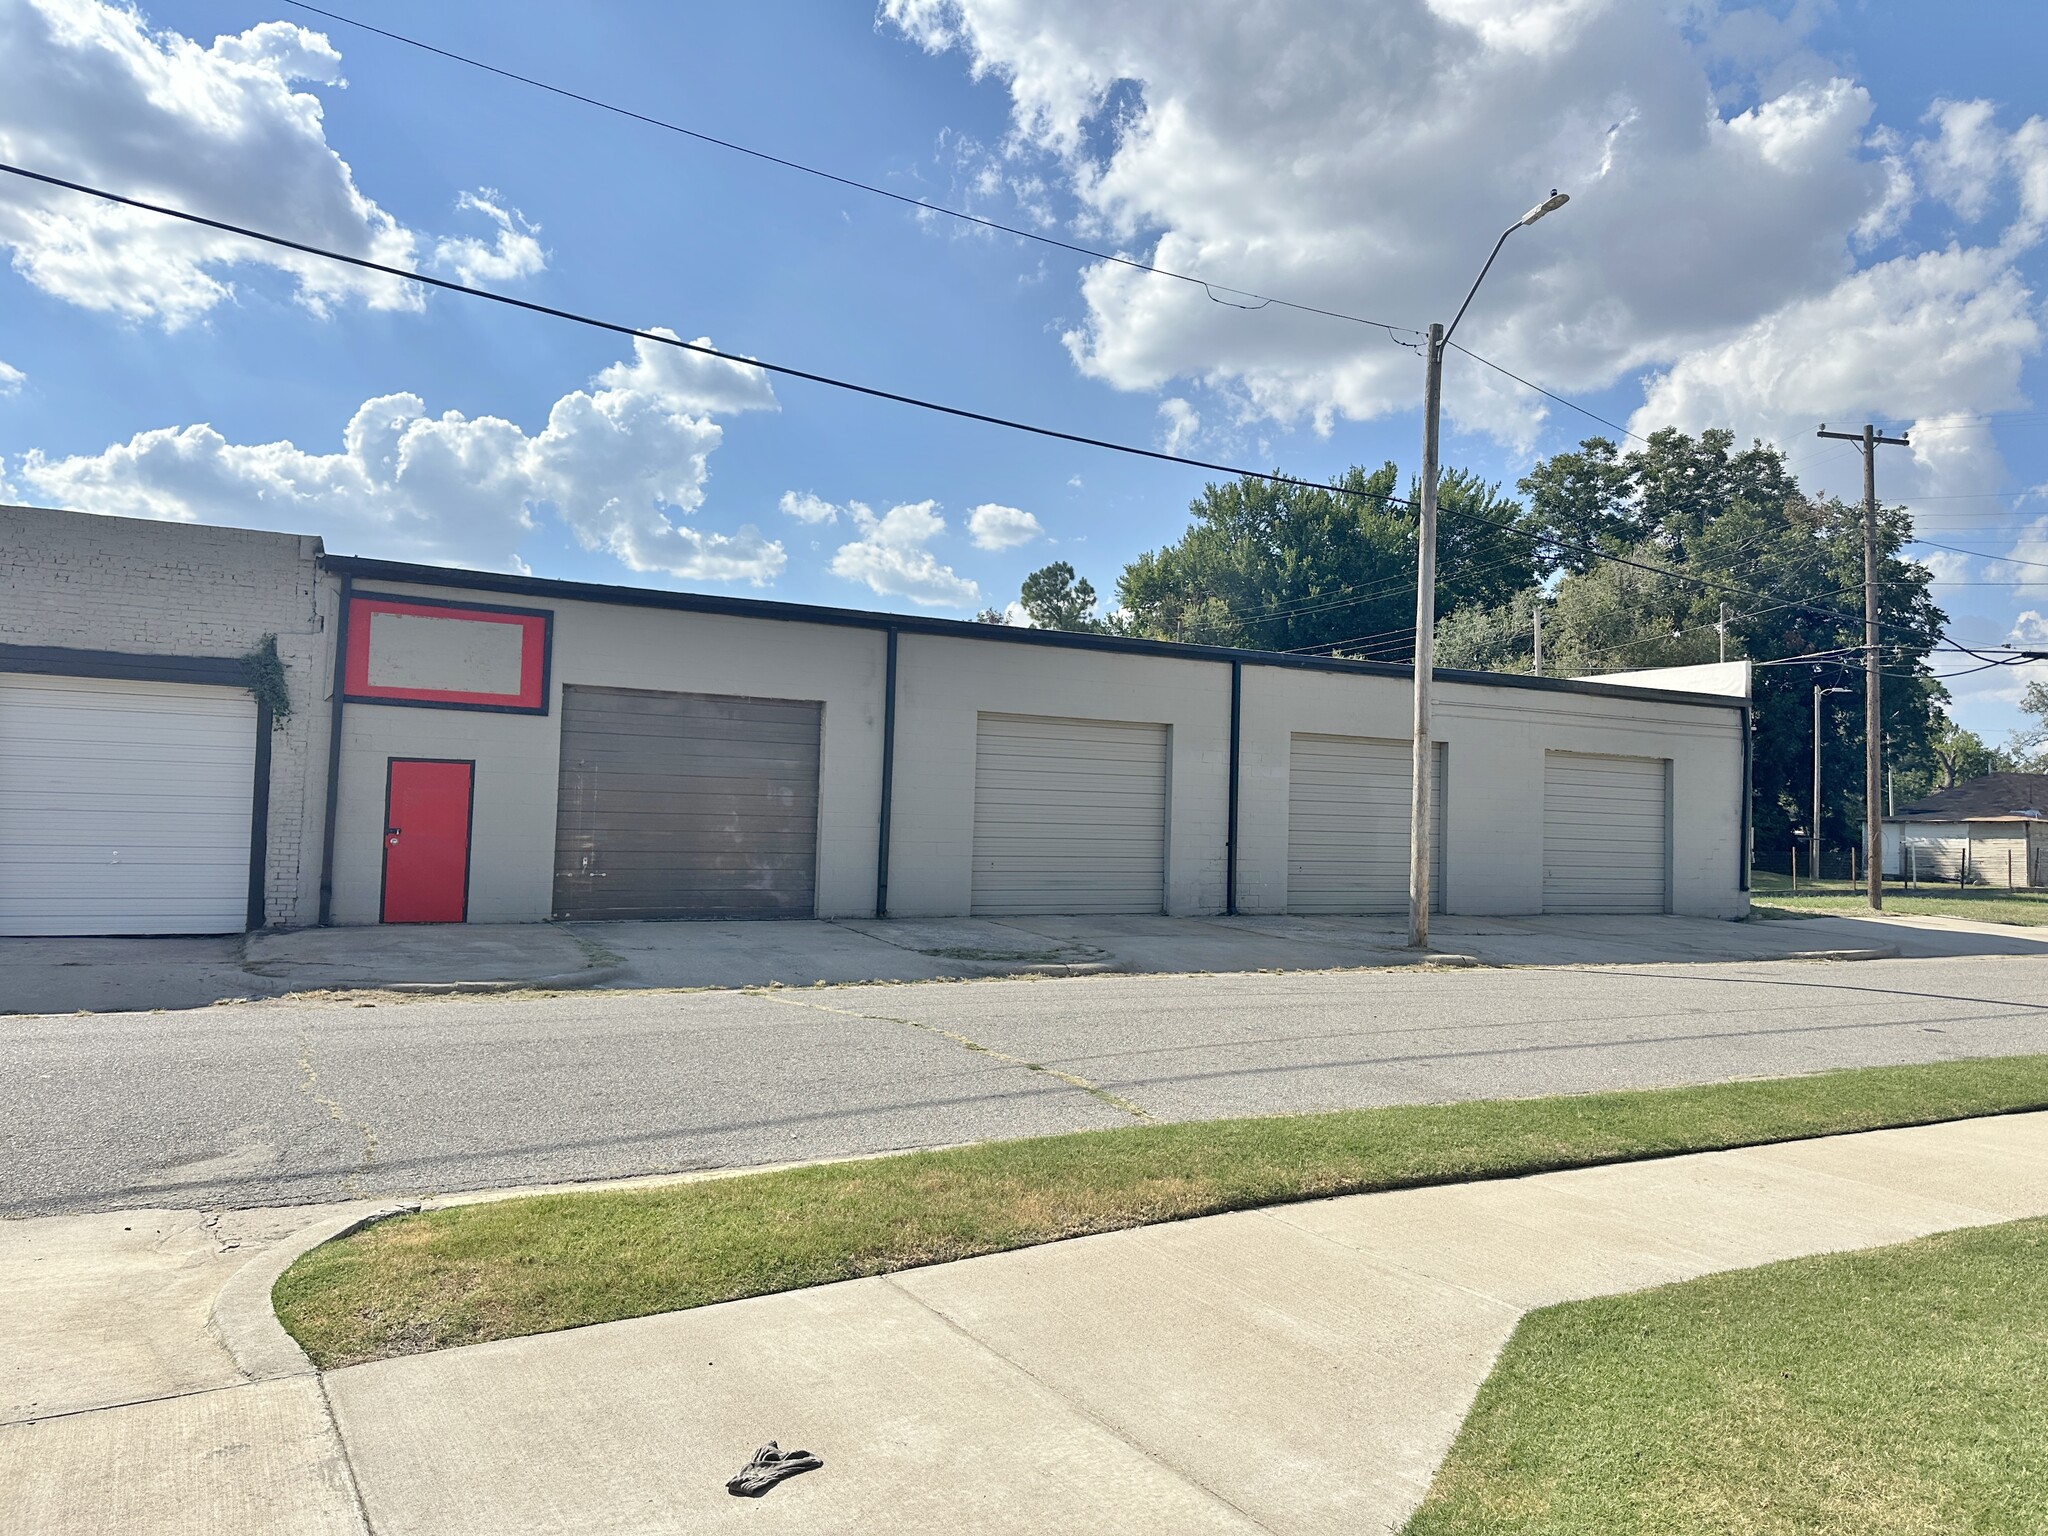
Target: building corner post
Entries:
(338, 685)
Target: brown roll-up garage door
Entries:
(686, 805)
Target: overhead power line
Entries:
(1979, 555)
(924, 205)
(1107, 445)
(1548, 395)
(702, 349)
(1213, 288)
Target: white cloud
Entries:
(618, 464)
(807, 508)
(89, 93)
(1182, 424)
(688, 381)
(1963, 163)
(512, 254)
(994, 526)
(11, 379)
(1917, 337)
(1724, 181)
(891, 558)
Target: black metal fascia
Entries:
(356, 566)
(888, 778)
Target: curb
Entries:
(242, 1317)
(561, 981)
(589, 976)
(1875, 952)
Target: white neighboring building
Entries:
(509, 749)
(1992, 830)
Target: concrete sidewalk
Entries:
(1298, 1369)
(105, 975)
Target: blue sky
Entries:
(1782, 214)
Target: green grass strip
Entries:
(1981, 903)
(539, 1263)
(1893, 1391)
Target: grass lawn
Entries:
(1984, 903)
(1864, 1394)
(540, 1263)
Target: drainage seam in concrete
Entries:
(348, 1464)
(1092, 1089)
(1082, 1409)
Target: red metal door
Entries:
(426, 840)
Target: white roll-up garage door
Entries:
(1069, 816)
(1347, 825)
(124, 806)
(1605, 844)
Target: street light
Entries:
(1425, 590)
(1813, 846)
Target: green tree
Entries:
(2026, 749)
(1702, 524)
(1501, 638)
(1057, 599)
(1950, 756)
(1281, 567)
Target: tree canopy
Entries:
(1280, 567)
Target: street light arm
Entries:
(1549, 205)
(1503, 240)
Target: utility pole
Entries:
(1722, 628)
(1870, 440)
(1422, 760)
(1813, 851)
(1425, 649)
(1539, 639)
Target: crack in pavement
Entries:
(1092, 1089)
(336, 1112)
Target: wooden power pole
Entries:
(1869, 440)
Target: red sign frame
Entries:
(536, 647)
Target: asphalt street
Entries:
(275, 1102)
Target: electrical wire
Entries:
(870, 391)
(1210, 287)
(1547, 394)
(702, 349)
(1979, 555)
(923, 205)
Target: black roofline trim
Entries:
(362, 568)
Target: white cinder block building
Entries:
(473, 747)
(147, 785)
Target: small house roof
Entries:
(1993, 797)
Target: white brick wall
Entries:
(128, 584)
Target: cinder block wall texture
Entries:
(153, 588)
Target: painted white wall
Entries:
(1496, 737)
(519, 756)
(943, 684)
(1728, 679)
